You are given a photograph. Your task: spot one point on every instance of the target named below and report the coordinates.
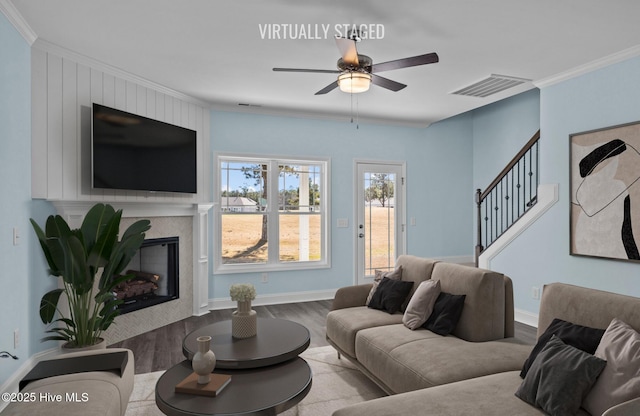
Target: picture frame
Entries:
(605, 192)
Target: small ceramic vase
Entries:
(244, 321)
(204, 361)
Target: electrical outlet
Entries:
(265, 278)
(535, 292)
(16, 338)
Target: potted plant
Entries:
(77, 256)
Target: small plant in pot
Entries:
(78, 256)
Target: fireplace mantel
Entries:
(71, 210)
(74, 211)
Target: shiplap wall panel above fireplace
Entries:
(64, 86)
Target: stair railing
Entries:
(512, 193)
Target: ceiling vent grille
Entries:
(492, 85)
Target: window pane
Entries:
(299, 188)
(243, 186)
(379, 222)
(300, 237)
(244, 238)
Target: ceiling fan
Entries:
(356, 72)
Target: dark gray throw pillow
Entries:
(446, 314)
(390, 295)
(584, 338)
(560, 378)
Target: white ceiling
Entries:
(214, 50)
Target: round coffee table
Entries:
(277, 341)
(258, 391)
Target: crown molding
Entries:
(15, 18)
(623, 55)
(63, 52)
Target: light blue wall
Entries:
(602, 98)
(24, 277)
(500, 130)
(15, 188)
(439, 185)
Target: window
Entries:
(271, 214)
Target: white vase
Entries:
(244, 321)
(204, 360)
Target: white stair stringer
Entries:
(547, 197)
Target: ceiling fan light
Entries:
(354, 82)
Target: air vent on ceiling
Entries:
(492, 85)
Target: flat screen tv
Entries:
(132, 152)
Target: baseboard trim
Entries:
(264, 300)
(11, 385)
(526, 317)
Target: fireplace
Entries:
(156, 275)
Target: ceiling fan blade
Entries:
(348, 50)
(386, 83)
(318, 71)
(429, 58)
(328, 88)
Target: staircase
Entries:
(509, 196)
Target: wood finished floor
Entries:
(162, 348)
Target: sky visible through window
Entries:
(233, 178)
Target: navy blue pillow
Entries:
(446, 314)
(582, 337)
(390, 295)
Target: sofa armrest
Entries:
(631, 407)
(351, 296)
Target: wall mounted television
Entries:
(131, 152)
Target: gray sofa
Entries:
(494, 394)
(401, 360)
(98, 393)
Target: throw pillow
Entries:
(620, 379)
(559, 378)
(390, 295)
(421, 304)
(446, 313)
(394, 275)
(581, 337)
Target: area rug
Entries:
(336, 383)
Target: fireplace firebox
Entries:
(155, 268)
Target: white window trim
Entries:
(273, 232)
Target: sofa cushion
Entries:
(489, 395)
(483, 315)
(414, 269)
(584, 306)
(582, 337)
(620, 379)
(344, 324)
(421, 304)
(560, 378)
(446, 314)
(390, 295)
(405, 360)
(395, 274)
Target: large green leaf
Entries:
(94, 222)
(136, 228)
(56, 226)
(108, 236)
(76, 271)
(48, 305)
(42, 239)
(121, 255)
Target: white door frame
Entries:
(400, 213)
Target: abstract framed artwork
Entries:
(605, 192)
